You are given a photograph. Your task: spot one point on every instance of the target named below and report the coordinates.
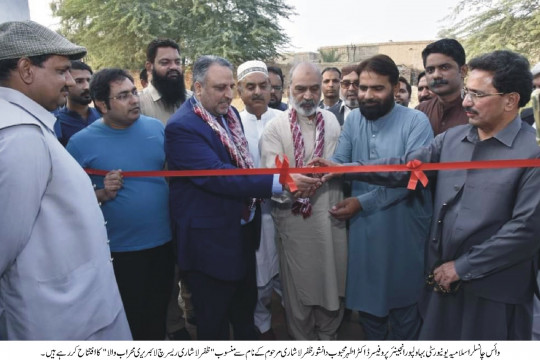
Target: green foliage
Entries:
(329, 56)
(485, 25)
(116, 32)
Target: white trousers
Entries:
(263, 311)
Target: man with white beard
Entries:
(312, 246)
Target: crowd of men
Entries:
(104, 256)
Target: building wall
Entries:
(407, 55)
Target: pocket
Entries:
(78, 304)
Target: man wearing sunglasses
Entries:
(136, 210)
(485, 232)
(348, 93)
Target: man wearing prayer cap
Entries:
(254, 88)
(57, 279)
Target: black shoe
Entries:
(181, 334)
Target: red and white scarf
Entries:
(235, 144)
(303, 205)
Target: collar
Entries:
(270, 113)
(33, 108)
(457, 102)
(305, 119)
(506, 136)
(342, 106)
(152, 91)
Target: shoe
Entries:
(268, 335)
(181, 334)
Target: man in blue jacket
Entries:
(215, 219)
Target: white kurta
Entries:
(314, 249)
(267, 257)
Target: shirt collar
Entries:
(154, 94)
(506, 136)
(268, 113)
(39, 112)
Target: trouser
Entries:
(219, 303)
(263, 312)
(307, 322)
(144, 279)
(400, 324)
(175, 318)
(536, 314)
(185, 301)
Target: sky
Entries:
(340, 22)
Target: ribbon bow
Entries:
(285, 177)
(416, 174)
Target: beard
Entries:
(351, 103)
(82, 99)
(172, 90)
(374, 109)
(305, 107)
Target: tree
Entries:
(116, 32)
(329, 56)
(486, 25)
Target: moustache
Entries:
(469, 109)
(437, 82)
(85, 93)
(257, 97)
(370, 102)
(307, 103)
(64, 89)
(173, 72)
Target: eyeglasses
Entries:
(277, 88)
(346, 83)
(125, 95)
(475, 95)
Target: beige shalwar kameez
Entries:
(312, 251)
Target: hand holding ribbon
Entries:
(300, 185)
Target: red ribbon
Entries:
(416, 174)
(285, 177)
(415, 167)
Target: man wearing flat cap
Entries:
(57, 279)
(254, 88)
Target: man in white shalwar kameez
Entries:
(312, 245)
(254, 89)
